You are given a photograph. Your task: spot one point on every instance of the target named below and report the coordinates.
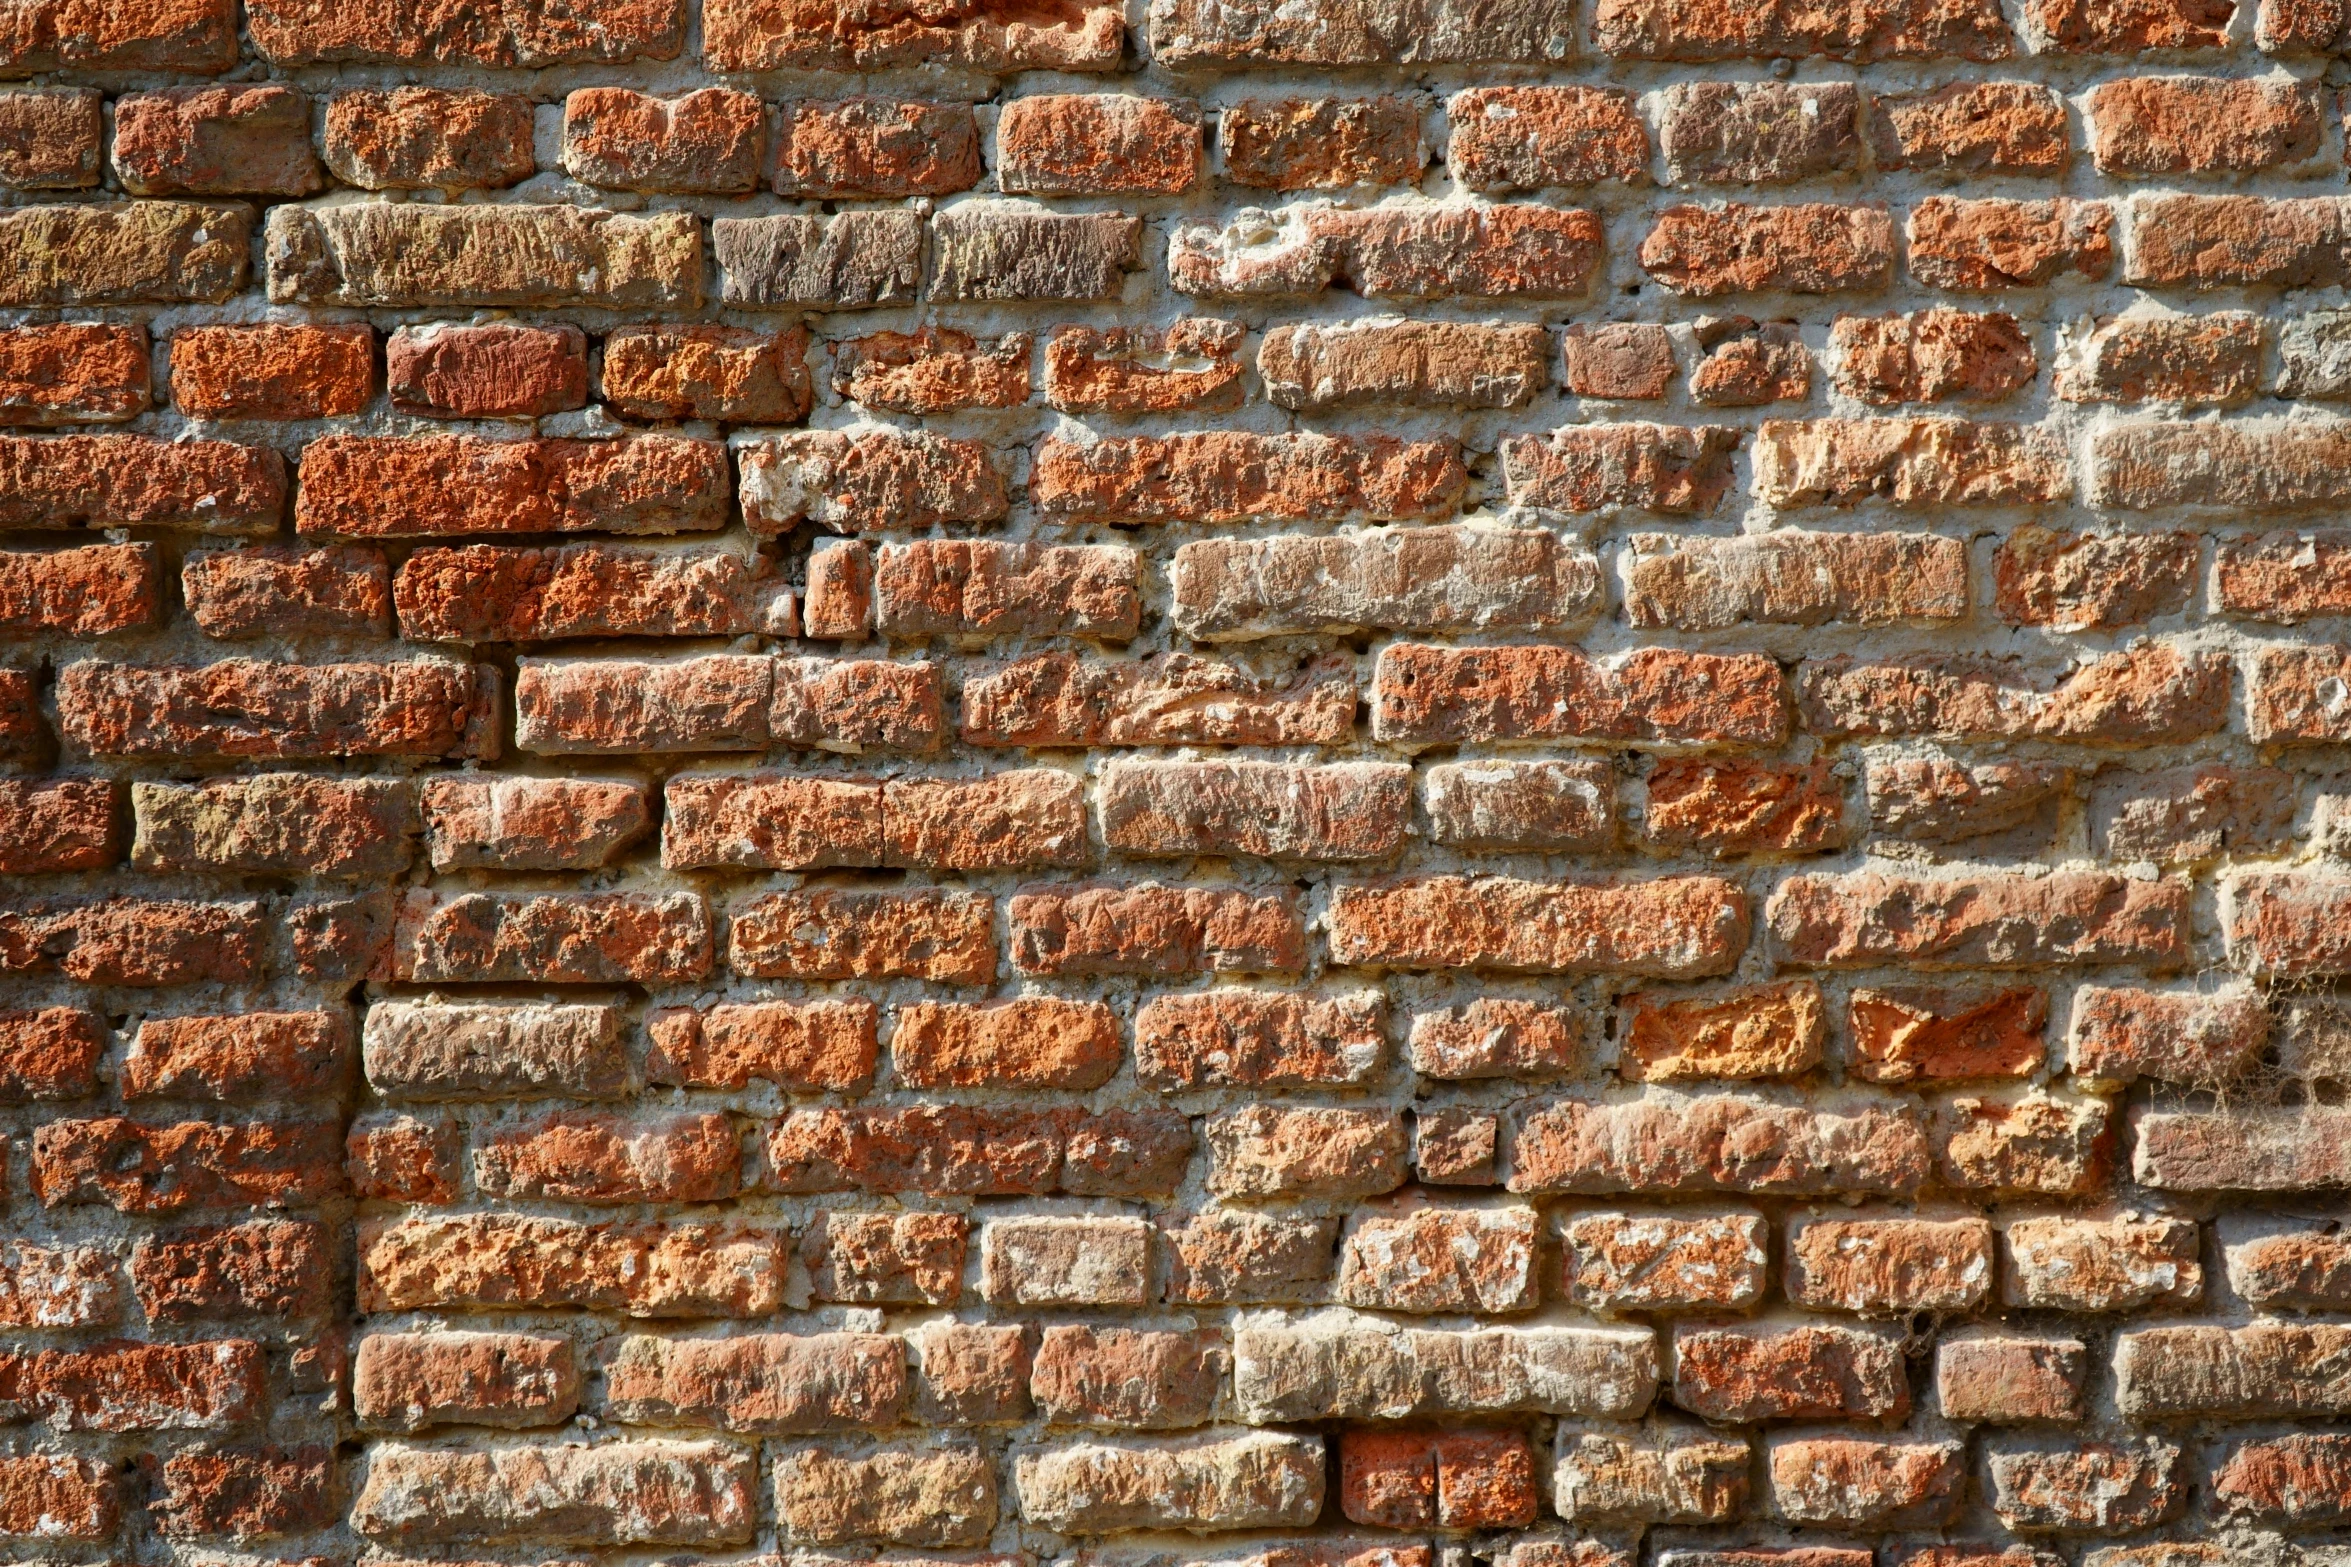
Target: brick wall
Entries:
(1287, 783)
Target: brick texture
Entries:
(1185, 783)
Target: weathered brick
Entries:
(1628, 360)
(428, 138)
(1758, 133)
(122, 253)
(1662, 468)
(1320, 143)
(899, 1258)
(494, 593)
(767, 1384)
(1258, 1039)
(932, 370)
(1671, 927)
(2193, 813)
(1748, 1031)
(1426, 695)
(499, 371)
(2136, 27)
(707, 372)
(799, 1046)
(875, 147)
(49, 1496)
(402, 1158)
(2205, 1038)
(948, 1149)
(1066, 1262)
(528, 823)
(1678, 1474)
(1150, 929)
(1867, 1482)
(272, 590)
(1122, 1377)
(268, 1268)
(867, 481)
(1995, 243)
(136, 1167)
(759, 35)
(2089, 581)
(251, 138)
(2212, 360)
(426, 1050)
(1445, 1479)
(49, 138)
(1422, 251)
(2287, 926)
(412, 1381)
(1907, 462)
(245, 1494)
(1423, 580)
(2303, 1479)
(1937, 800)
(1813, 248)
(2233, 241)
(1971, 128)
(1510, 805)
(1691, 1142)
(848, 261)
(1534, 138)
(2097, 1487)
(1077, 144)
(1194, 363)
(1274, 1150)
(2030, 1143)
(1238, 1257)
(1248, 1480)
(1794, 578)
(2100, 1264)
(65, 824)
(407, 254)
(1342, 811)
(124, 1387)
(1343, 1367)
(57, 1286)
(1930, 356)
(2263, 1370)
(1030, 1042)
(551, 938)
(596, 1157)
(618, 1493)
(1057, 699)
(1887, 1267)
(1615, 1262)
(1435, 1260)
(855, 933)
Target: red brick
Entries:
(1445, 1480)
(1234, 1256)
(932, 370)
(1455, 364)
(268, 1268)
(280, 590)
(134, 941)
(1426, 695)
(1988, 921)
(2197, 1037)
(529, 823)
(708, 141)
(2153, 125)
(1282, 1151)
(801, 1046)
(1672, 927)
(252, 138)
(1192, 364)
(2298, 26)
(2129, 27)
(617, 1493)
(2289, 926)
(399, 1158)
(2284, 577)
(72, 372)
(1457, 1147)
(142, 1168)
(2100, 1487)
(896, 1258)
(958, 1150)
(121, 1386)
(1627, 360)
(1971, 128)
(644, 1270)
(411, 1381)
(1792, 577)
(1535, 138)
(2234, 241)
(1914, 1035)
(1421, 251)
(717, 702)
(1507, 805)
(765, 1383)
(49, 138)
(66, 824)
(137, 481)
(875, 147)
(1749, 1031)
(2153, 694)
(24, 735)
(1079, 144)
(841, 933)
(1219, 477)
(461, 484)
(49, 1054)
(428, 138)
(1149, 929)
(1736, 808)
(1121, 1377)
(868, 482)
(1031, 1042)
(248, 708)
(1743, 1373)
(534, 33)
(501, 371)
(1346, 811)
(2036, 1143)
(1320, 143)
(707, 372)
(272, 372)
(1746, 364)
(2008, 1381)
(1815, 248)
(1585, 468)
(749, 35)
(269, 1056)
(972, 1375)
(198, 37)
(48, 1496)
(1908, 462)
(1995, 243)
(2085, 582)
(1889, 1267)
(951, 587)
(1441, 1259)
(2086, 1265)
(491, 593)
(1936, 800)
(1879, 30)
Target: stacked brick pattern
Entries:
(1340, 783)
